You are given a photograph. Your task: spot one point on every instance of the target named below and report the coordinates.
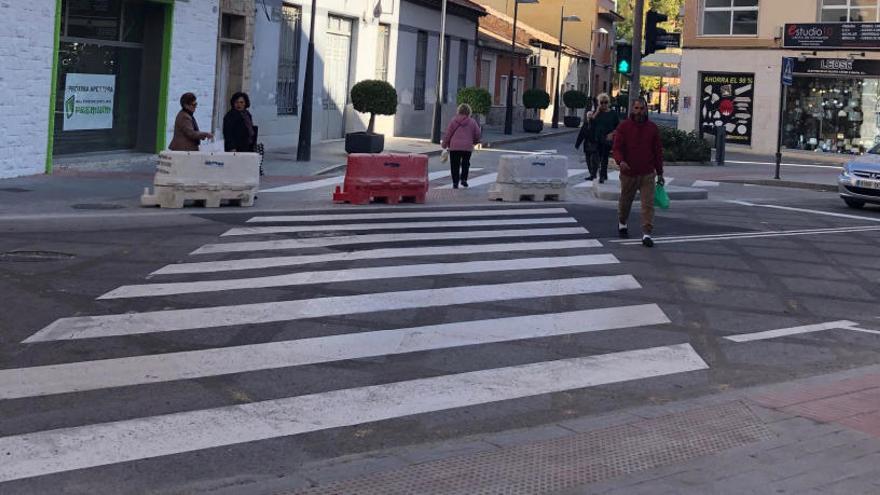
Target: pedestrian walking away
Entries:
(186, 130)
(586, 137)
(639, 154)
(239, 131)
(603, 123)
(461, 136)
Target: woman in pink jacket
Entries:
(461, 136)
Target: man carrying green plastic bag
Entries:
(661, 197)
(639, 154)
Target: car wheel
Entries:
(854, 203)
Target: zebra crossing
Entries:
(526, 258)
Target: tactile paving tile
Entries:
(558, 464)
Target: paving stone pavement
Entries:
(815, 435)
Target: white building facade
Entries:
(100, 76)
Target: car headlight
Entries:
(846, 173)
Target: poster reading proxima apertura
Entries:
(88, 101)
(727, 100)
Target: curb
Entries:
(782, 183)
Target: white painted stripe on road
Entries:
(139, 370)
(803, 165)
(807, 210)
(83, 327)
(749, 235)
(703, 183)
(784, 332)
(369, 254)
(487, 212)
(476, 182)
(355, 274)
(305, 186)
(66, 449)
(290, 229)
(314, 242)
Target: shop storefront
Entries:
(832, 106)
(112, 60)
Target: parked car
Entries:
(859, 183)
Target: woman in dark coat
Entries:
(186, 129)
(239, 132)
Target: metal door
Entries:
(336, 76)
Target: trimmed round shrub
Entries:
(478, 98)
(536, 99)
(374, 97)
(575, 99)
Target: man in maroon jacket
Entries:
(639, 154)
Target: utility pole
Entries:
(438, 109)
(636, 85)
(304, 145)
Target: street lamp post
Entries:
(602, 31)
(508, 115)
(562, 20)
(435, 127)
(304, 145)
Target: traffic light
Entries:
(652, 31)
(624, 59)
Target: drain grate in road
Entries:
(569, 462)
(97, 206)
(31, 256)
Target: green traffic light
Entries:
(623, 67)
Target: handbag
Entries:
(661, 197)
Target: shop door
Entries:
(336, 76)
(221, 92)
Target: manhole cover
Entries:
(34, 256)
(97, 206)
(14, 189)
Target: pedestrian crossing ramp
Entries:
(530, 178)
(498, 276)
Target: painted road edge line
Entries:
(488, 212)
(291, 229)
(81, 447)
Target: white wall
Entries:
(283, 130)
(193, 60)
(26, 52)
(418, 123)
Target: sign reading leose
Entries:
(88, 101)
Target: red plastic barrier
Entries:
(389, 177)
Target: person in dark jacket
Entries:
(239, 132)
(186, 130)
(603, 122)
(638, 152)
(587, 138)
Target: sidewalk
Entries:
(115, 181)
(814, 435)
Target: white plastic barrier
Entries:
(200, 176)
(532, 177)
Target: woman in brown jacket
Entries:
(186, 129)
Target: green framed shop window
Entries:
(110, 76)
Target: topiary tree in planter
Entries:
(376, 98)
(534, 100)
(574, 100)
(478, 98)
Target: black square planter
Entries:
(533, 125)
(572, 121)
(361, 142)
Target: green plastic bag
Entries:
(661, 197)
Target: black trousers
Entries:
(602, 159)
(459, 164)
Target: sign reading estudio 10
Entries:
(832, 35)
